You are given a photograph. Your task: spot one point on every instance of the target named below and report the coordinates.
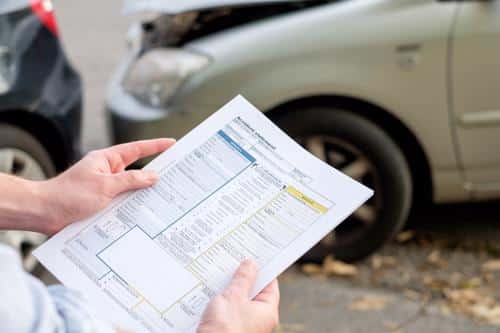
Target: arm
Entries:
(48, 206)
(28, 306)
(81, 191)
(21, 205)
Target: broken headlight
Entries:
(156, 76)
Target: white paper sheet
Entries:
(235, 187)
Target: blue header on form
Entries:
(236, 146)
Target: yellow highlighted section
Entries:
(308, 201)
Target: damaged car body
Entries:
(177, 30)
(368, 86)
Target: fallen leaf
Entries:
(434, 258)
(339, 268)
(489, 278)
(312, 269)
(467, 297)
(471, 283)
(369, 303)
(475, 304)
(412, 294)
(405, 236)
(379, 261)
(445, 310)
(434, 282)
(491, 266)
(485, 313)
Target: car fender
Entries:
(321, 51)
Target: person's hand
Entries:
(90, 184)
(234, 312)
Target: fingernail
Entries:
(150, 175)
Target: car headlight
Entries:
(156, 76)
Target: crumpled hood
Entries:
(179, 6)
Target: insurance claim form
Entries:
(235, 187)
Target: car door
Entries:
(475, 93)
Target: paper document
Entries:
(235, 187)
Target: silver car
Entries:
(399, 94)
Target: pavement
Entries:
(94, 36)
(320, 306)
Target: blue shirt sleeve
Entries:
(28, 306)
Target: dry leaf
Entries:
(474, 303)
(491, 266)
(435, 259)
(412, 294)
(445, 310)
(405, 236)
(379, 262)
(434, 282)
(312, 269)
(369, 303)
(471, 283)
(339, 268)
(376, 262)
(488, 314)
(489, 278)
(468, 297)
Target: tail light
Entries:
(43, 9)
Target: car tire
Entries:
(17, 138)
(354, 144)
(22, 155)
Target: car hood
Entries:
(7, 6)
(179, 6)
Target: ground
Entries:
(443, 279)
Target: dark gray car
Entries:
(40, 101)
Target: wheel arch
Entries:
(400, 133)
(43, 130)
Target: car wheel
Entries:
(362, 150)
(23, 156)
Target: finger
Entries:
(121, 156)
(243, 280)
(270, 294)
(131, 180)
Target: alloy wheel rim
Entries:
(18, 163)
(346, 158)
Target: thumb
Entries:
(243, 280)
(132, 180)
